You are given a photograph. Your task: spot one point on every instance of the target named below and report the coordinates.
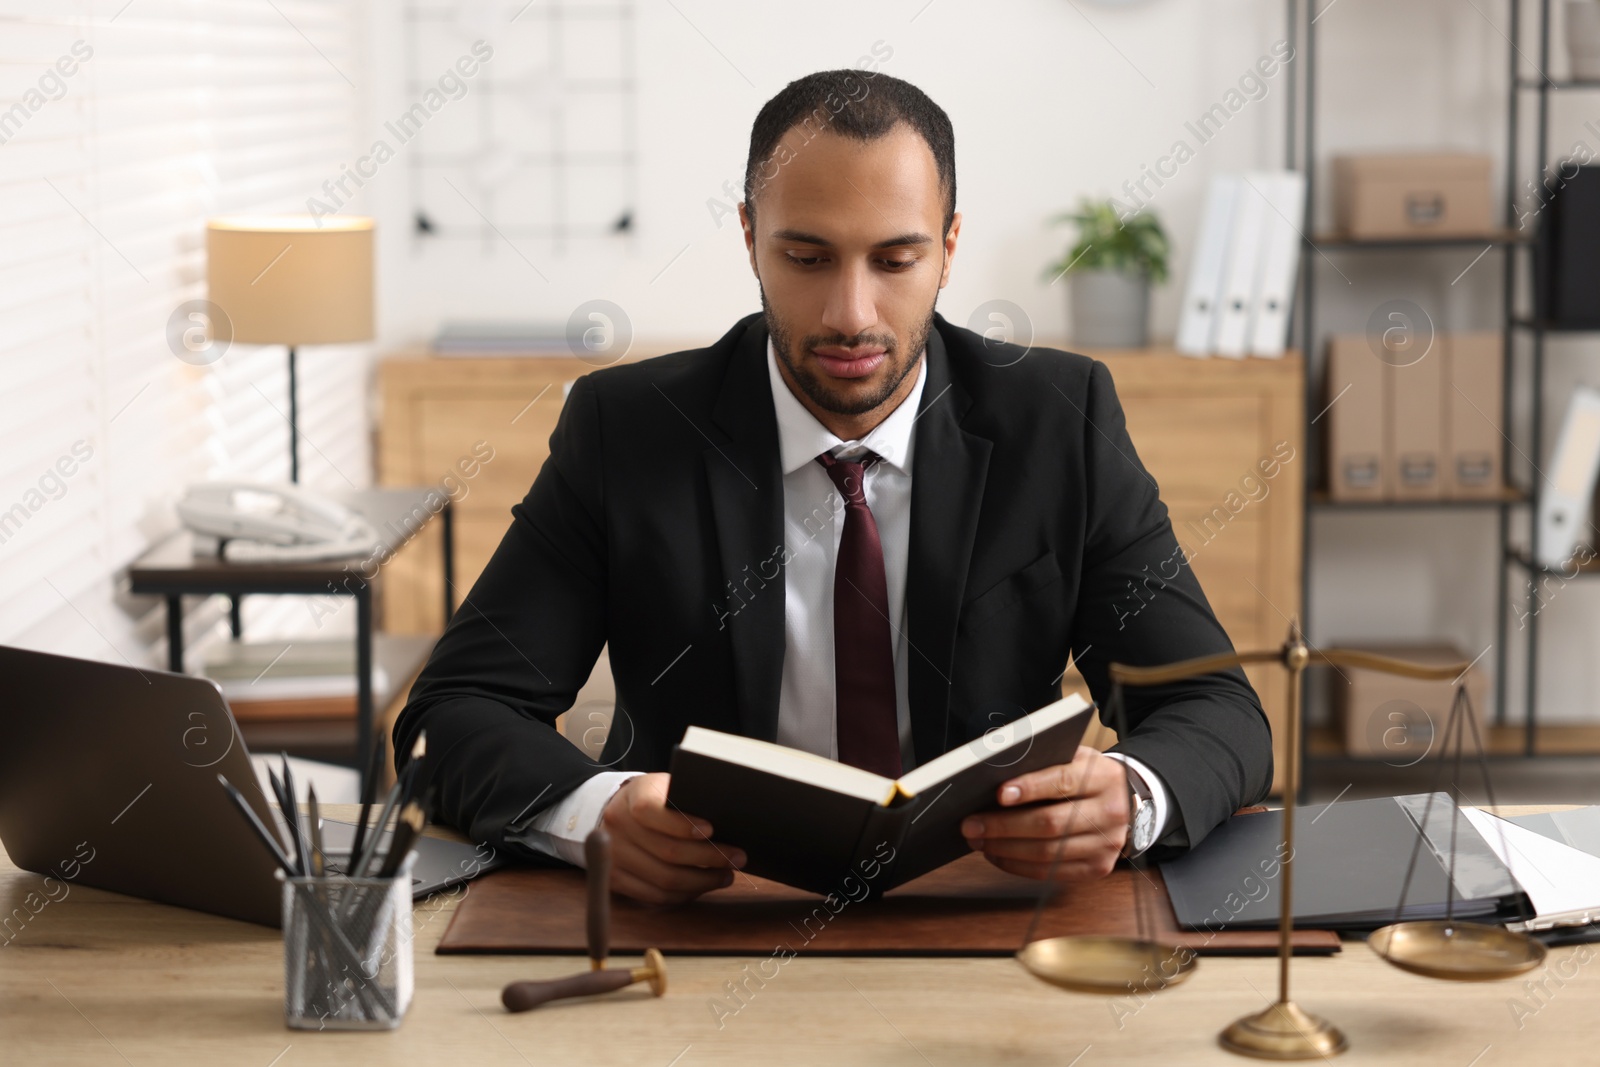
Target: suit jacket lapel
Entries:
(745, 478)
(948, 468)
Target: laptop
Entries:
(108, 778)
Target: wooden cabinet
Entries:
(480, 427)
(1204, 428)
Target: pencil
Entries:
(284, 808)
(314, 815)
(368, 788)
(292, 813)
(408, 827)
(260, 828)
(418, 750)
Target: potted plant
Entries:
(1112, 266)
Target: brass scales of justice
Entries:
(1447, 949)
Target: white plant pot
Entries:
(1108, 309)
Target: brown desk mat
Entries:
(967, 908)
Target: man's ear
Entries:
(949, 246)
(748, 225)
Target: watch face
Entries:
(1144, 827)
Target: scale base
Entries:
(1283, 1031)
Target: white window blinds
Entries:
(123, 126)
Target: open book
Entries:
(825, 826)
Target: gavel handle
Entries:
(597, 859)
(521, 996)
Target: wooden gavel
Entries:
(521, 996)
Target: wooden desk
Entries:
(97, 978)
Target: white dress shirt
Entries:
(814, 524)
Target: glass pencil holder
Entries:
(347, 962)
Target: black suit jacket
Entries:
(657, 525)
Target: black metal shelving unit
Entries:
(1510, 241)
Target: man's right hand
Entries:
(658, 854)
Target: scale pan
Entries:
(1457, 951)
(1108, 965)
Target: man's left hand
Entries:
(1084, 820)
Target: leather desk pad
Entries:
(967, 908)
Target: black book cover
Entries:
(792, 832)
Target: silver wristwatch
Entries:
(1141, 815)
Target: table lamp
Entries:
(292, 280)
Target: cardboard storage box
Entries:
(1473, 442)
(1402, 720)
(1426, 430)
(1387, 196)
(1415, 446)
(1355, 421)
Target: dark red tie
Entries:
(863, 646)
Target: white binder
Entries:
(1285, 193)
(1239, 280)
(1564, 505)
(1197, 324)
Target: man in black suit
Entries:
(847, 526)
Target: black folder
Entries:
(1566, 257)
(1350, 862)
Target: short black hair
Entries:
(852, 103)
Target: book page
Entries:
(791, 763)
(992, 744)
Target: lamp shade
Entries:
(292, 279)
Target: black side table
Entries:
(171, 569)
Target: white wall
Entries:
(1044, 108)
(1050, 100)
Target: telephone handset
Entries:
(254, 522)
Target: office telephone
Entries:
(252, 522)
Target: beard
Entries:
(815, 385)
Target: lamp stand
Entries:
(294, 422)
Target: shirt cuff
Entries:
(560, 829)
(1159, 797)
